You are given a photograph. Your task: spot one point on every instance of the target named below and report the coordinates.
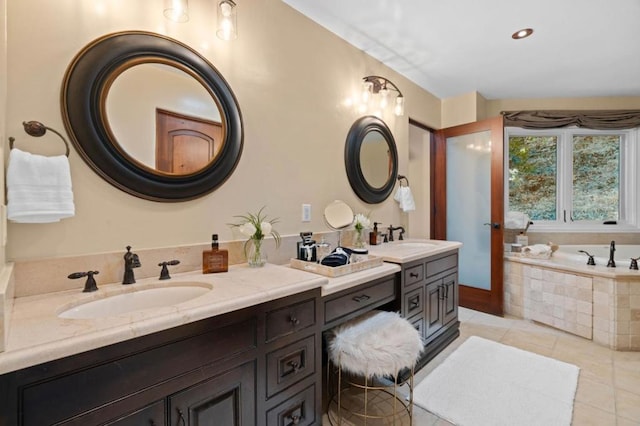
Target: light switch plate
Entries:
(306, 212)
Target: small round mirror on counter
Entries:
(338, 215)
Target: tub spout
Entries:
(612, 249)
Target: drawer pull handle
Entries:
(414, 302)
(295, 366)
(295, 419)
(413, 275)
(181, 419)
(293, 320)
(361, 298)
(441, 292)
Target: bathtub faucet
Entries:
(612, 249)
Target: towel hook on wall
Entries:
(400, 178)
(37, 129)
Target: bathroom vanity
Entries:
(248, 352)
(428, 290)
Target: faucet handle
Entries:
(90, 285)
(164, 273)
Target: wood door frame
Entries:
(490, 301)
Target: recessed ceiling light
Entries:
(523, 33)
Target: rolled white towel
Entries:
(38, 188)
(537, 250)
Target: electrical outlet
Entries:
(306, 212)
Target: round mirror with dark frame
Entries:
(371, 159)
(152, 116)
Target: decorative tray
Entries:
(336, 271)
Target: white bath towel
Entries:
(405, 199)
(38, 188)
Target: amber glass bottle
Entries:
(215, 260)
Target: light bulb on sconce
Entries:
(398, 109)
(227, 20)
(376, 96)
(367, 90)
(176, 10)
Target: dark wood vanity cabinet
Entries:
(429, 294)
(256, 366)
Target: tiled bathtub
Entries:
(595, 302)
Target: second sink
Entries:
(147, 298)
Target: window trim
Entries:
(629, 179)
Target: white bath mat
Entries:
(487, 383)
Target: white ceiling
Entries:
(452, 47)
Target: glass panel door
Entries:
(469, 205)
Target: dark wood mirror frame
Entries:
(363, 189)
(84, 91)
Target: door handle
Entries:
(494, 225)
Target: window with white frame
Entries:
(572, 178)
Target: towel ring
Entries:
(400, 178)
(37, 129)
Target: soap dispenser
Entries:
(373, 235)
(215, 260)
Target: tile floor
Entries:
(608, 387)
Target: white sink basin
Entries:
(148, 298)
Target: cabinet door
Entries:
(433, 308)
(228, 399)
(450, 309)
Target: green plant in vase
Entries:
(360, 223)
(256, 226)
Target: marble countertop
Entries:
(37, 334)
(411, 249)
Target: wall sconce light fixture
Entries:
(227, 20)
(377, 95)
(176, 10)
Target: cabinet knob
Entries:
(293, 320)
(295, 366)
(295, 419)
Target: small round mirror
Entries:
(338, 215)
(371, 159)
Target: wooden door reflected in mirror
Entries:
(185, 144)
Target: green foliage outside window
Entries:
(594, 179)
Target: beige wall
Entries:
(290, 77)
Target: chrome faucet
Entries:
(131, 260)
(391, 229)
(612, 249)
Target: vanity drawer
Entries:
(413, 302)
(413, 275)
(288, 365)
(284, 321)
(300, 410)
(439, 265)
(358, 299)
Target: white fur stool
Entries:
(374, 348)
